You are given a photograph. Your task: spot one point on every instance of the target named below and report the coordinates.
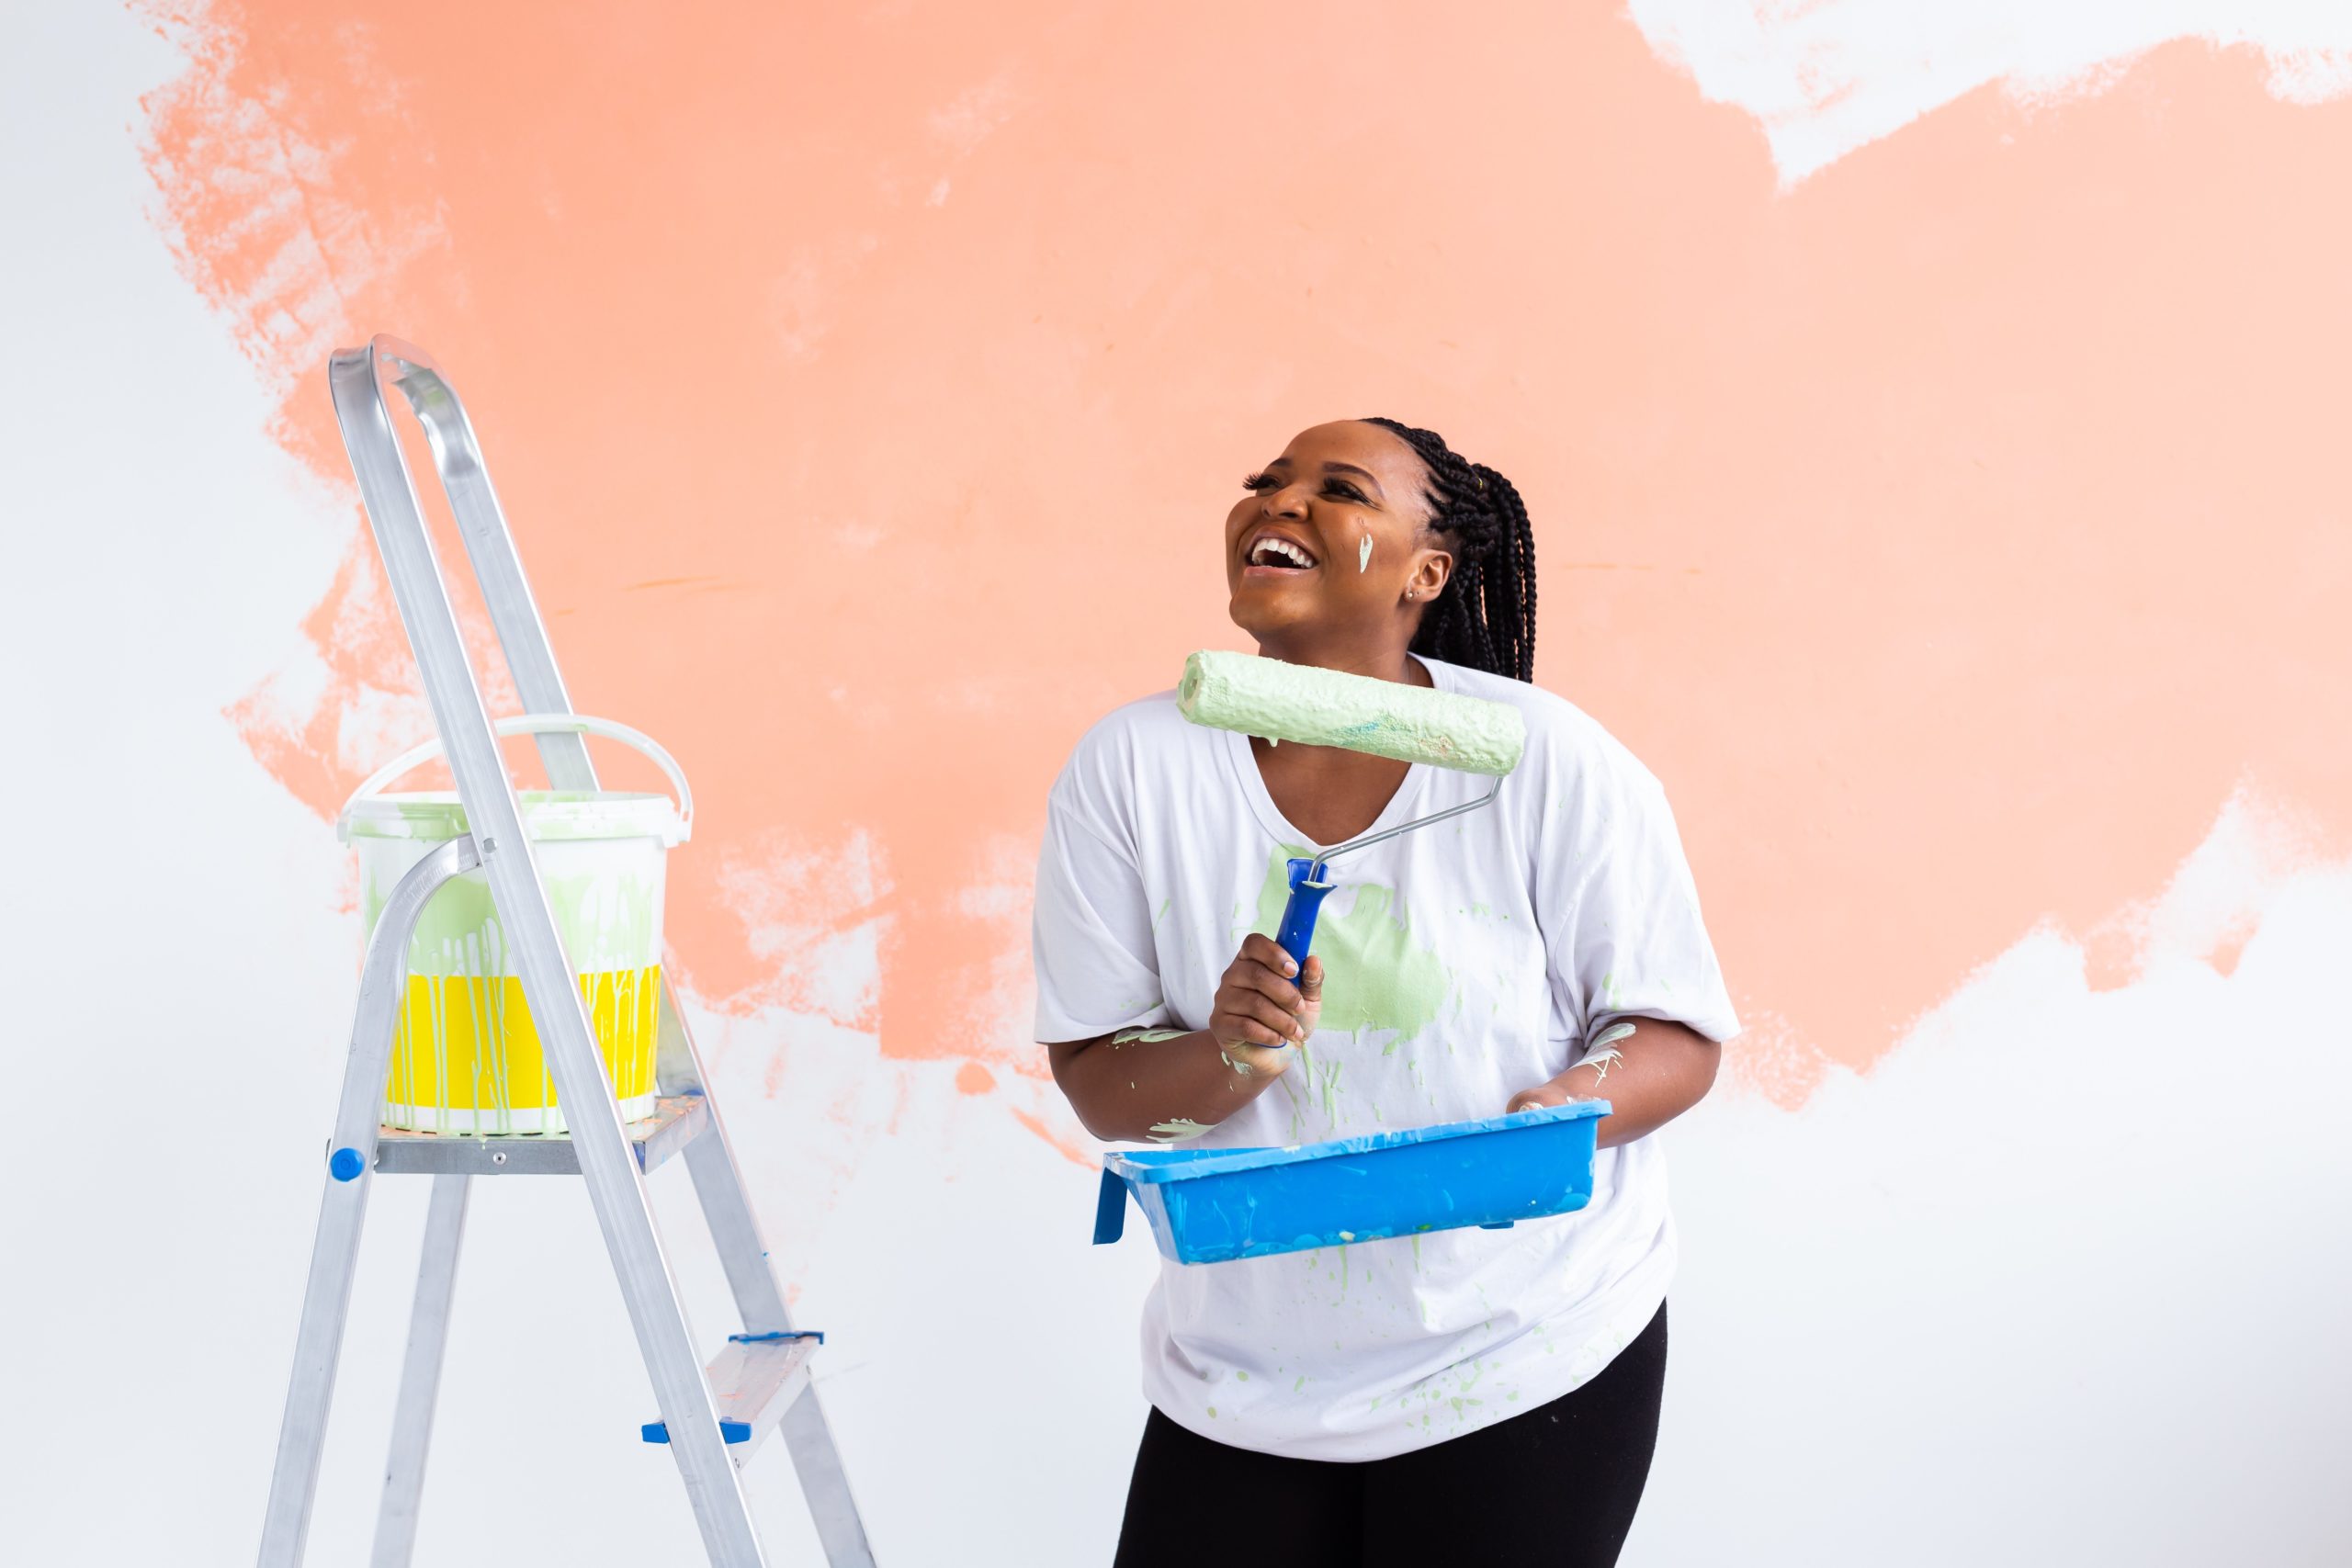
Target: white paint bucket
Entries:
(466, 1058)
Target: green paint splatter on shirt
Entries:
(1375, 976)
(1322, 1080)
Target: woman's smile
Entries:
(1274, 553)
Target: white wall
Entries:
(2055, 1285)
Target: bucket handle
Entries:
(544, 724)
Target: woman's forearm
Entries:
(1649, 1077)
(1154, 1085)
(1157, 1086)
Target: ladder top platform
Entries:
(678, 1122)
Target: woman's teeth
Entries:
(1279, 552)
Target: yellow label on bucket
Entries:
(468, 1044)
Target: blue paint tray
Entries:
(1211, 1205)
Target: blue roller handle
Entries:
(1296, 933)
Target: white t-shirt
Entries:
(1464, 961)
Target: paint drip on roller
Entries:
(1269, 698)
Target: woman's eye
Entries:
(1340, 490)
(1257, 482)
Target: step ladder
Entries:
(712, 1418)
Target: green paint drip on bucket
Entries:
(465, 1060)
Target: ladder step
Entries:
(677, 1120)
(754, 1381)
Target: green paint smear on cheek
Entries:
(1374, 976)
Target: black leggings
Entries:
(1556, 1486)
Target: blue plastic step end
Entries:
(344, 1164)
(733, 1432)
(816, 1334)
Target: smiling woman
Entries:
(1553, 940)
(1475, 513)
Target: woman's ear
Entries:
(1431, 570)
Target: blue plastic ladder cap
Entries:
(735, 1431)
(655, 1432)
(344, 1164)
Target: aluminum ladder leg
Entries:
(428, 1334)
(326, 1301)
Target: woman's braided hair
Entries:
(1484, 616)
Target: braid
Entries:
(1484, 616)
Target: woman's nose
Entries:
(1288, 501)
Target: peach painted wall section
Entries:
(1954, 521)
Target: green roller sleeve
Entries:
(1324, 707)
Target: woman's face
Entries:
(1331, 539)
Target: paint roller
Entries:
(1312, 707)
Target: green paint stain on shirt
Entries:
(1322, 1078)
(1375, 976)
